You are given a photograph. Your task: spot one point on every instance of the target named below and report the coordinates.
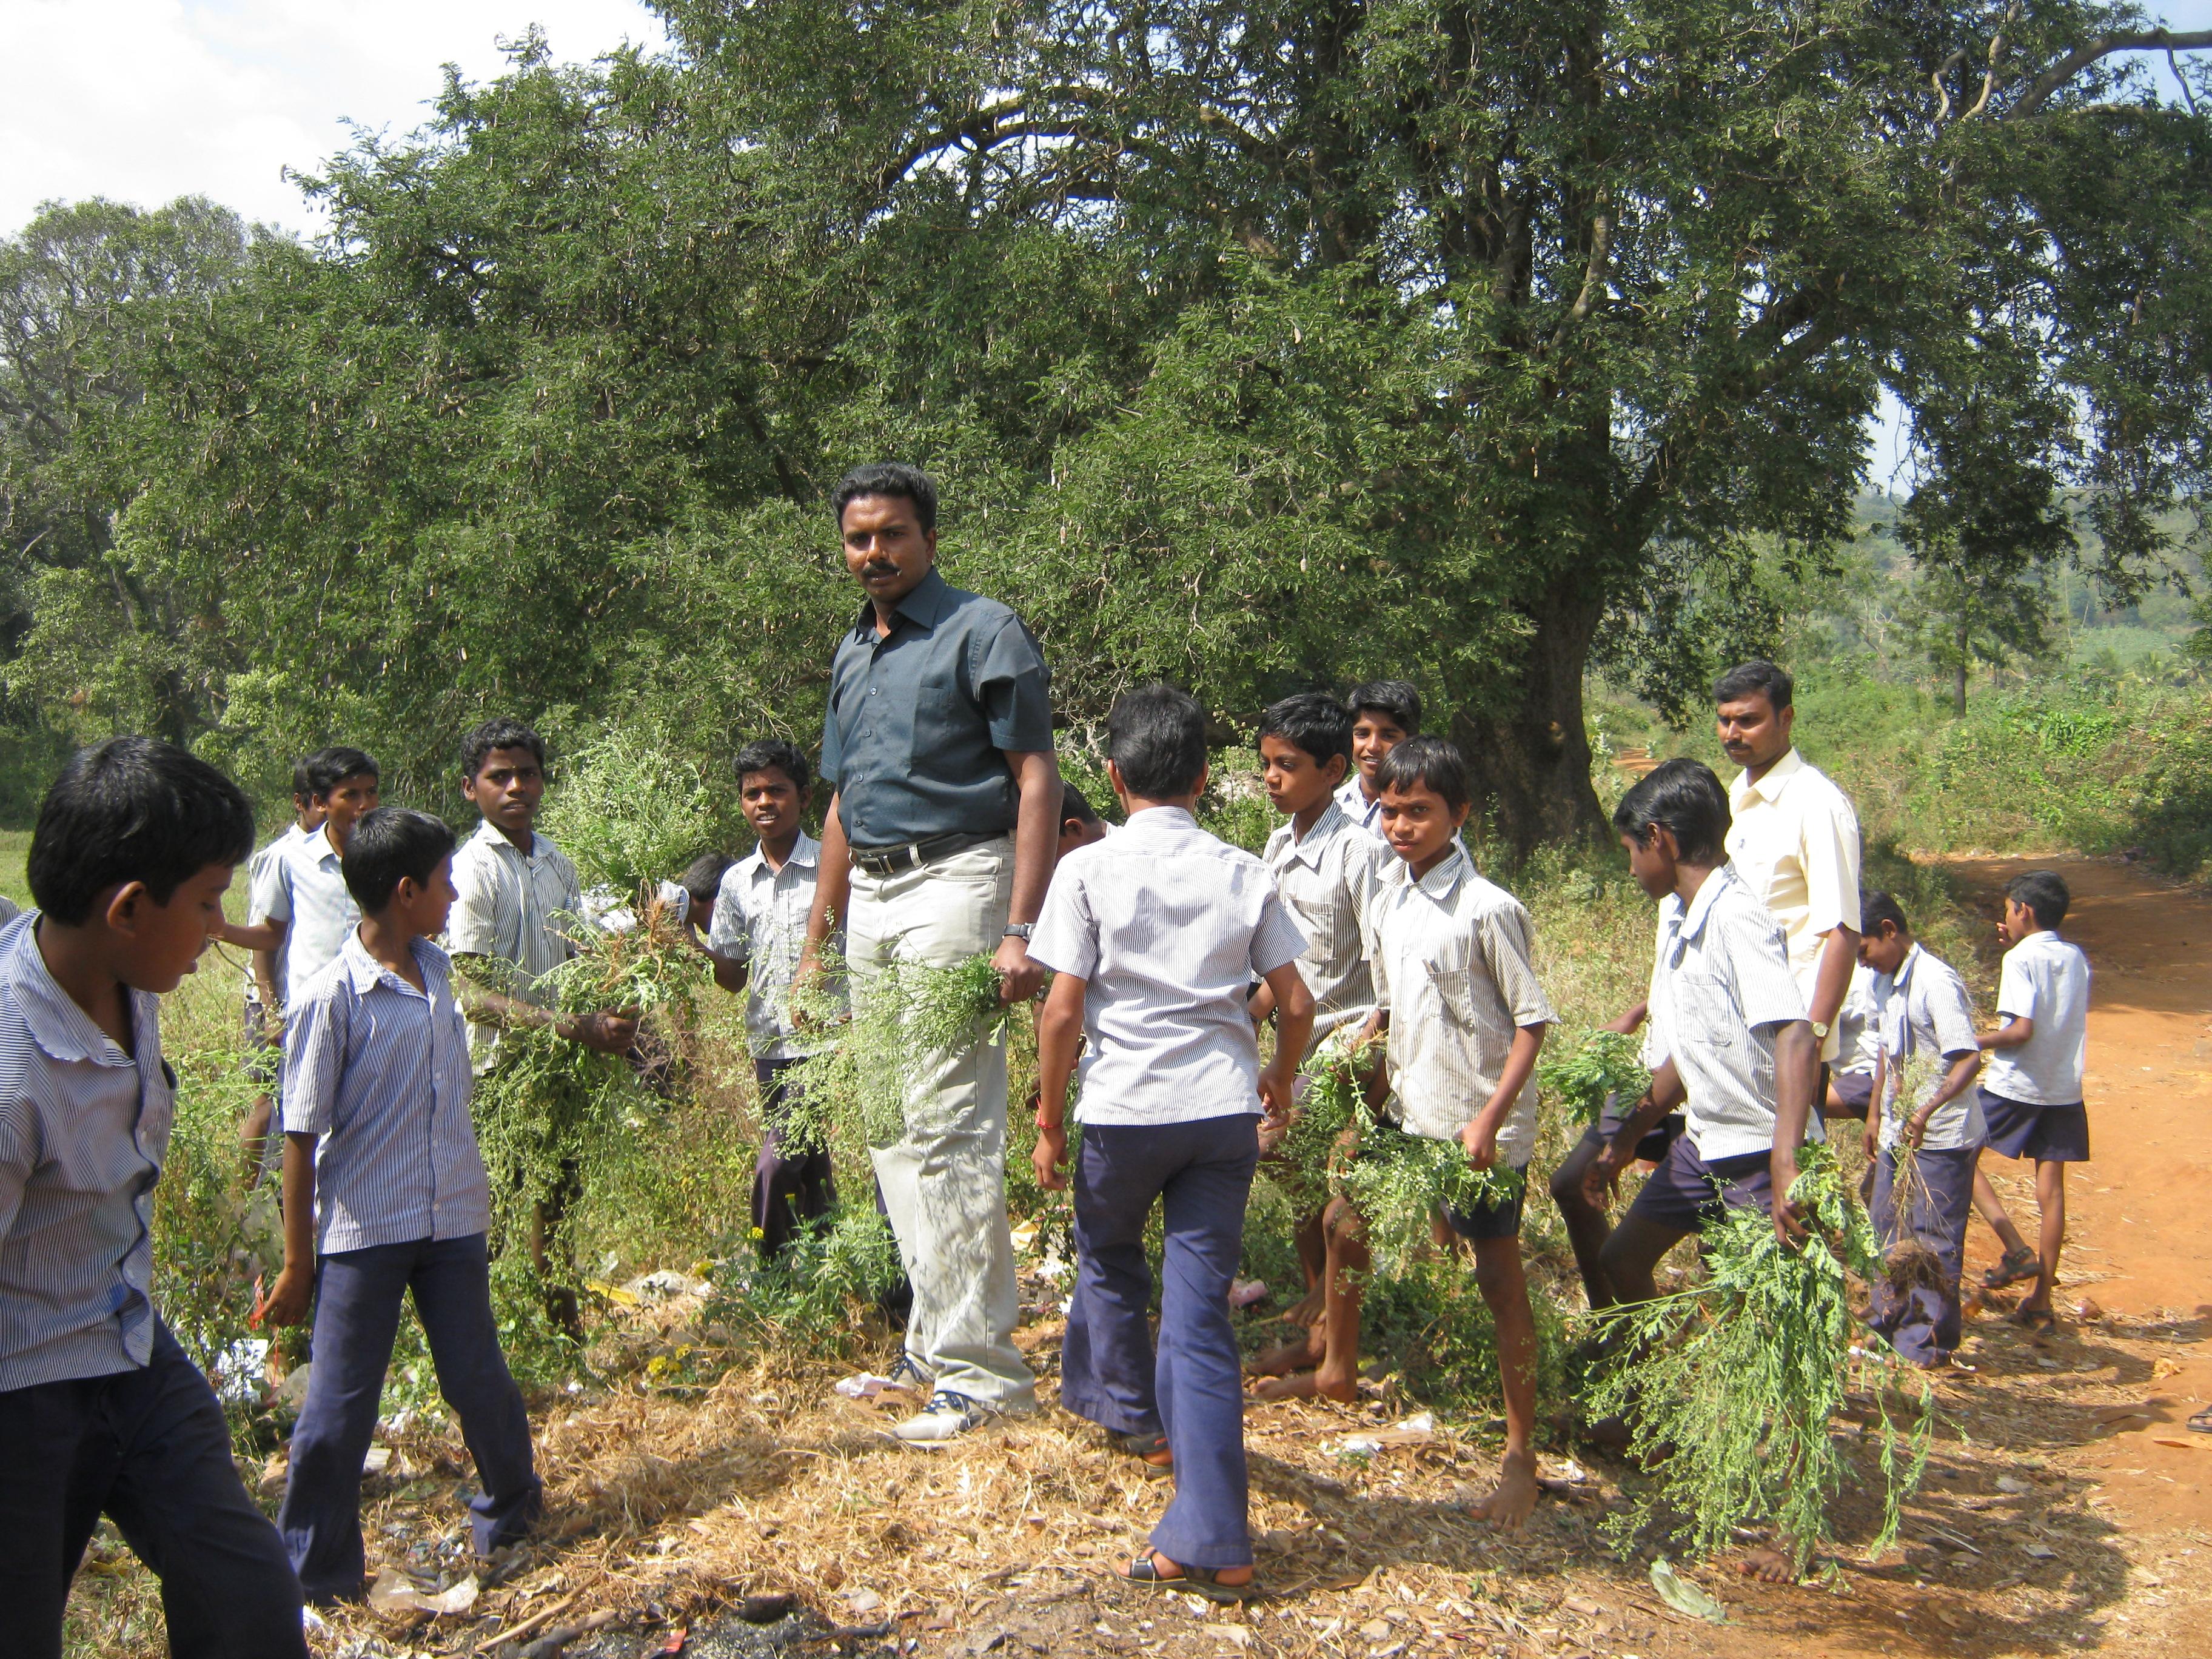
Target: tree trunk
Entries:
(1531, 767)
(1959, 677)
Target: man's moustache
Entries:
(880, 570)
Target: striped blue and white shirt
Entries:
(517, 908)
(1168, 925)
(379, 1072)
(256, 872)
(1328, 880)
(1721, 988)
(303, 887)
(83, 1130)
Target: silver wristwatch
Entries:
(1020, 930)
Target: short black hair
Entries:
(503, 732)
(702, 879)
(388, 843)
(1074, 804)
(775, 755)
(132, 809)
(1758, 677)
(1156, 735)
(1879, 907)
(326, 769)
(303, 786)
(2044, 892)
(1682, 796)
(1431, 763)
(888, 478)
(1313, 722)
(1393, 697)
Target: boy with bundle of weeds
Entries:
(516, 898)
(1154, 934)
(101, 1413)
(1326, 870)
(759, 931)
(2031, 1096)
(1923, 1173)
(1457, 997)
(1731, 1042)
(385, 1195)
(1384, 713)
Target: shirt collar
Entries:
(1689, 920)
(1444, 876)
(1307, 850)
(1769, 785)
(56, 1021)
(493, 835)
(1160, 820)
(1904, 974)
(805, 852)
(924, 606)
(319, 844)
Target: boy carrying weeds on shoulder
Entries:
(2031, 1093)
(101, 1413)
(1920, 1008)
(384, 1195)
(1154, 934)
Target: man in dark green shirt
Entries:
(938, 845)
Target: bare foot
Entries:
(1306, 1310)
(1291, 1357)
(1510, 1503)
(1766, 1564)
(1308, 1385)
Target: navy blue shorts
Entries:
(1657, 1140)
(2049, 1134)
(1855, 1090)
(1685, 1192)
(1496, 1218)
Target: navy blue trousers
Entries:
(148, 1448)
(357, 1297)
(789, 1188)
(1925, 1323)
(1193, 1387)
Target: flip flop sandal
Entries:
(2202, 1421)
(2037, 1322)
(1199, 1581)
(1145, 1448)
(2016, 1265)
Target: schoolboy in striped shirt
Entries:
(100, 1411)
(385, 1194)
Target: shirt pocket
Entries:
(1454, 989)
(1705, 1011)
(936, 717)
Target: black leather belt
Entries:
(912, 855)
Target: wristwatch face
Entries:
(1820, 1029)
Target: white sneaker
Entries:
(908, 1373)
(947, 1416)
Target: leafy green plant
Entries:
(1580, 1073)
(1329, 1102)
(814, 1296)
(1399, 1182)
(1732, 1388)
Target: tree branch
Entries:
(2093, 50)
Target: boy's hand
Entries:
(1789, 1224)
(1602, 1178)
(606, 1034)
(1480, 1139)
(1277, 1084)
(286, 1301)
(1050, 1153)
(1917, 1126)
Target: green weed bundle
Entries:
(1732, 1389)
(815, 1295)
(904, 1018)
(1399, 1180)
(1580, 1072)
(1330, 1103)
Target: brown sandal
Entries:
(2012, 1266)
(1199, 1581)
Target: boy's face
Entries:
(421, 910)
(1419, 825)
(1295, 782)
(308, 813)
(772, 803)
(1751, 731)
(347, 800)
(162, 943)
(1884, 950)
(1374, 734)
(886, 549)
(1651, 861)
(507, 789)
(2019, 922)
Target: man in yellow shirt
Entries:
(1794, 840)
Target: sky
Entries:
(144, 101)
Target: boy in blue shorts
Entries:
(383, 1194)
(2031, 1093)
(1920, 1009)
(100, 1411)
(1154, 932)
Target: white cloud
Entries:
(144, 101)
